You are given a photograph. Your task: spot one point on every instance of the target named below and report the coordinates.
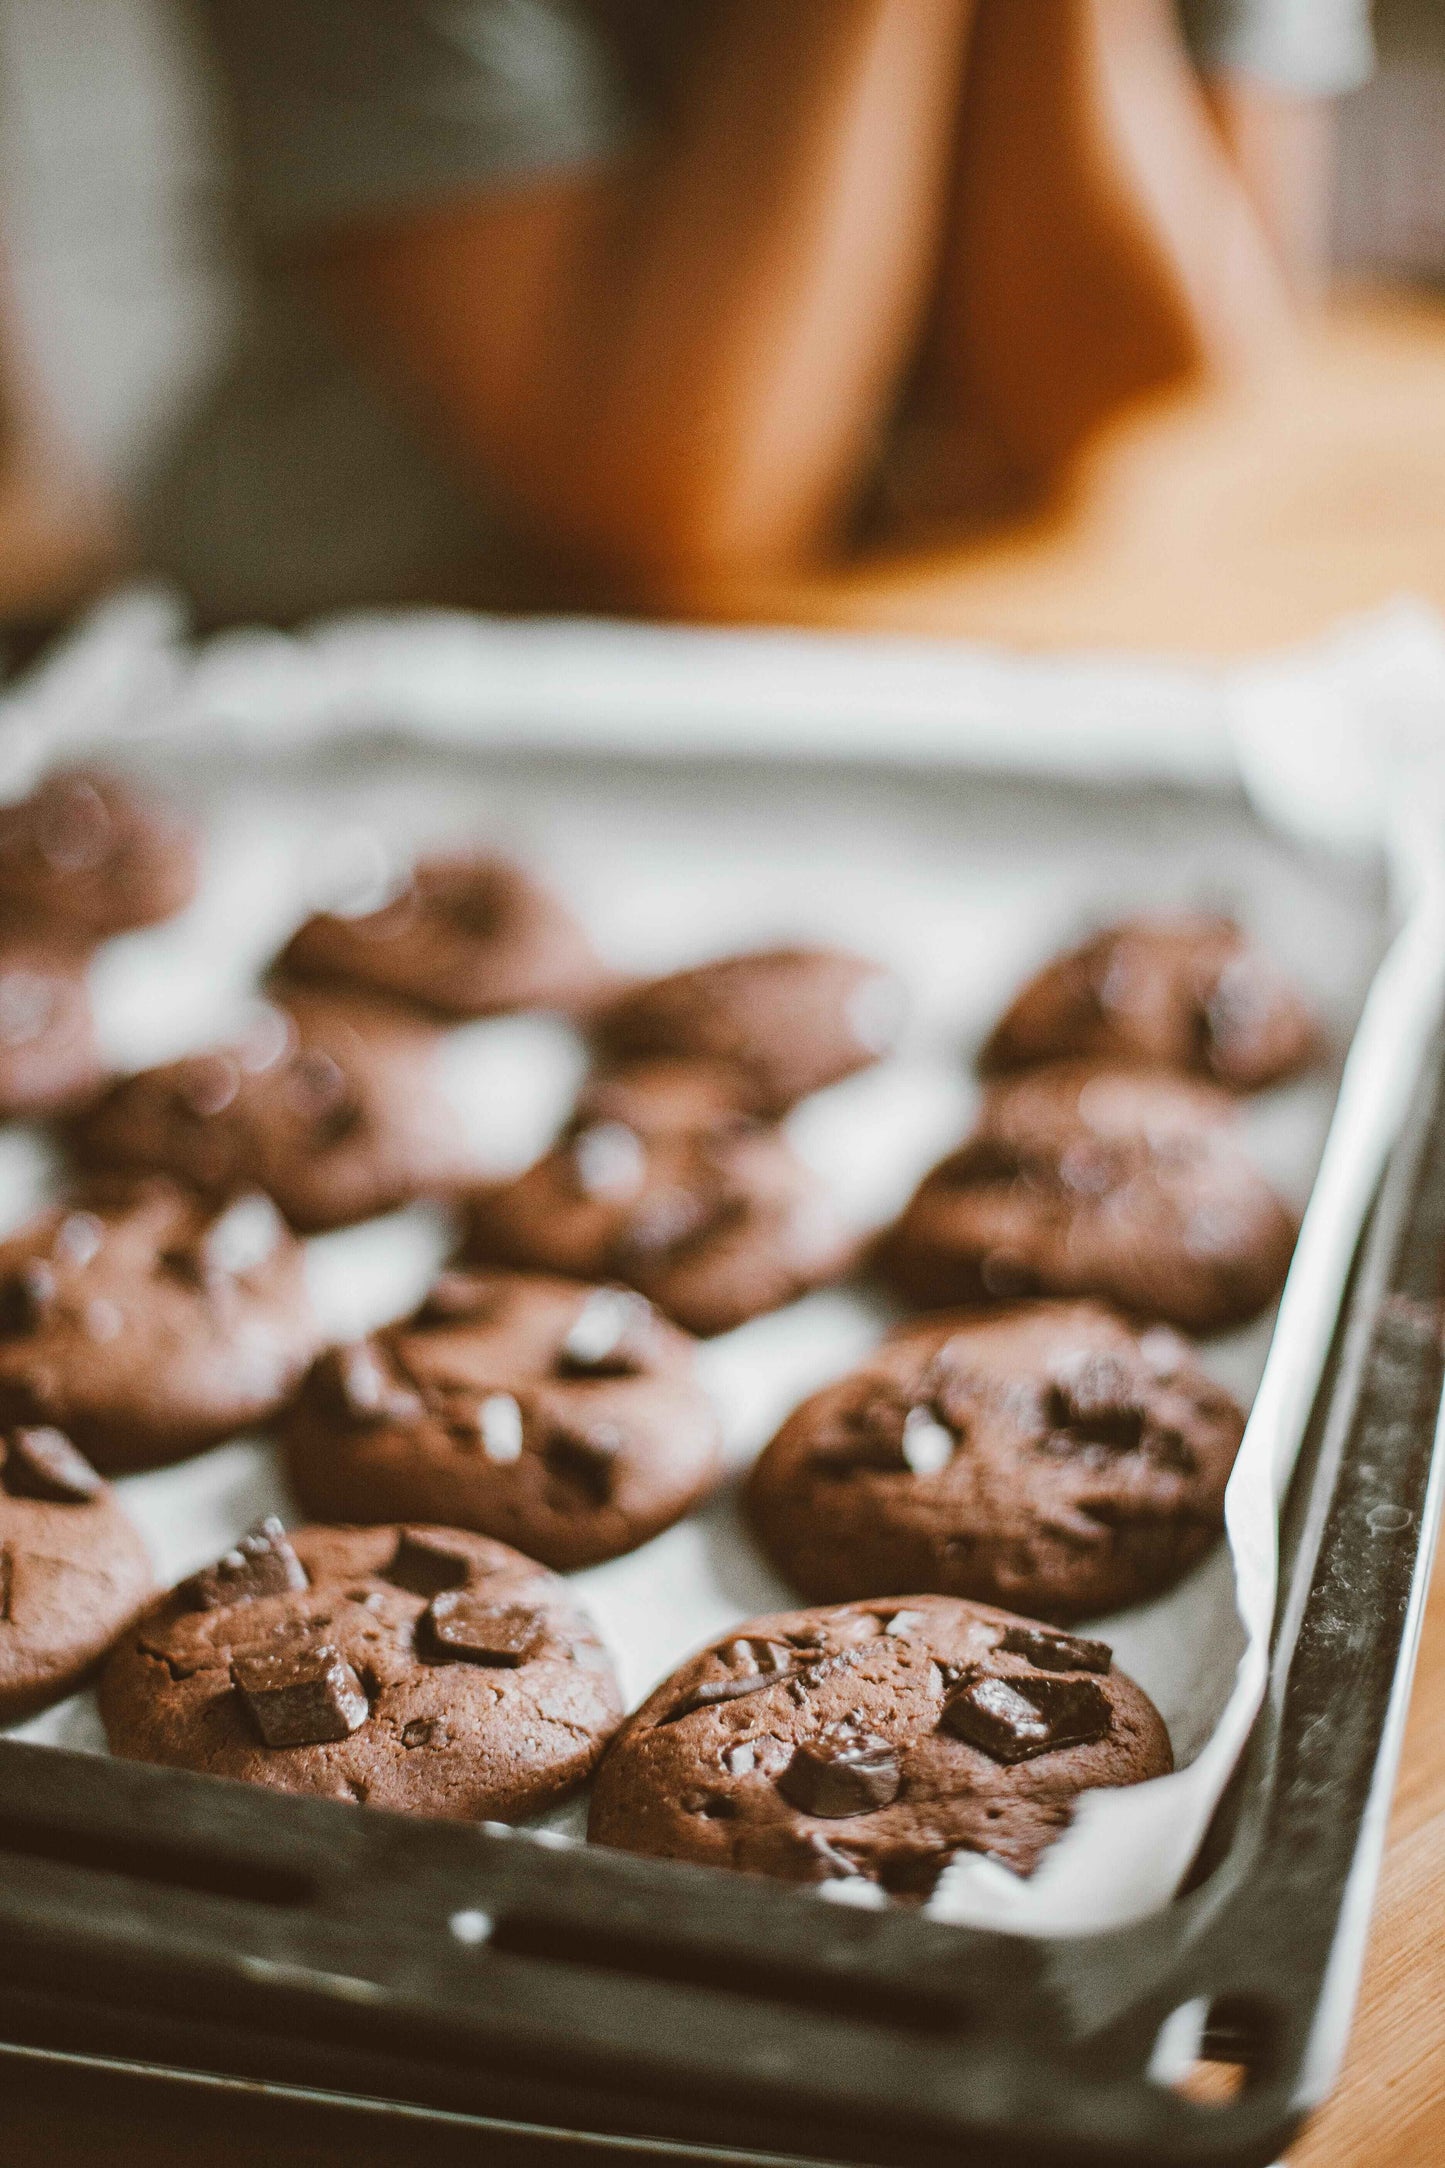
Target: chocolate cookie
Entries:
(786, 1021)
(73, 1572)
(148, 1325)
(331, 1109)
(875, 1742)
(1049, 1458)
(562, 1418)
(83, 858)
(659, 1182)
(1108, 1182)
(48, 1055)
(1191, 994)
(420, 1669)
(473, 935)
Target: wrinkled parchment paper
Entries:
(957, 813)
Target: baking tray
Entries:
(251, 1957)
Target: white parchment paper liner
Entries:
(1341, 743)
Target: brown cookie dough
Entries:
(561, 1418)
(1050, 1458)
(1191, 994)
(421, 1669)
(83, 858)
(148, 1325)
(472, 935)
(331, 1109)
(1109, 1182)
(787, 1021)
(659, 1182)
(48, 1055)
(73, 1571)
(875, 1741)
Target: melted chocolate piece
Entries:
(357, 1380)
(26, 1297)
(585, 1458)
(300, 1696)
(841, 1774)
(262, 1564)
(1049, 1650)
(1012, 1720)
(42, 1463)
(424, 1565)
(467, 1626)
(608, 1337)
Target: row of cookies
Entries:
(368, 1392)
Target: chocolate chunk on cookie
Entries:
(786, 1021)
(873, 1742)
(1191, 994)
(489, 1697)
(660, 1183)
(148, 1325)
(331, 1108)
(48, 1056)
(470, 935)
(1109, 1182)
(1050, 1458)
(84, 857)
(73, 1571)
(561, 1418)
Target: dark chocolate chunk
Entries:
(305, 1696)
(1051, 1650)
(424, 1564)
(356, 1378)
(42, 1463)
(841, 1774)
(262, 1564)
(26, 1296)
(608, 1337)
(585, 1457)
(465, 1624)
(1012, 1720)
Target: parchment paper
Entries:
(693, 792)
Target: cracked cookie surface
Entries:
(660, 1182)
(147, 1324)
(422, 1669)
(1191, 993)
(875, 1742)
(563, 1418)
(1051, 1459)
(1079, 1180)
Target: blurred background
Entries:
(1242, 482)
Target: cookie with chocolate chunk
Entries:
(1051, 1459)
(1109, 1182)
(148, 1325)
(416, 1668)
(1192, 994)
(48, 1056)
(875, 1742)
(85, 857)
(73, 1571)
(330, 1107)
(468, 935)
(659, 1182)
(785, 1021)
(565, 1419)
